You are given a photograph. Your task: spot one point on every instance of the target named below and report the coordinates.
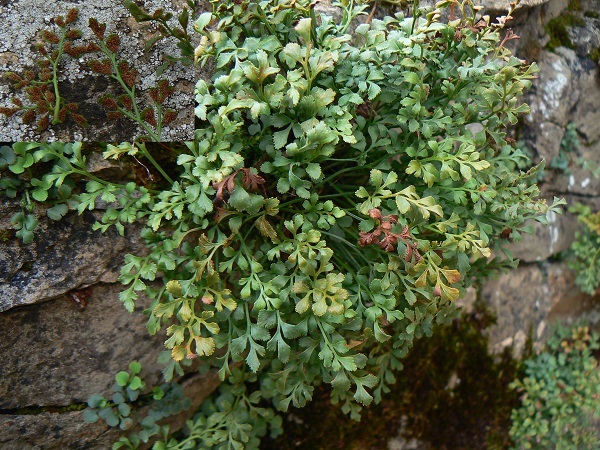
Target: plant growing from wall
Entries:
(42, 89)
(586, 250)
(43, 96)
(332, 206)
(560, 394)
(568, 144)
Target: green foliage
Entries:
(560, 394)
(568, 144)
(122, 411)
(334, 203)
(54, 186)
(586, 250)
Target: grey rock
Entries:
(60, 431)
(523, 299)
(53, 431)
(587, 37)
(547, 240)
(548, 137)
(23, 21)
(61, 354)
(552, 94)
(66, 255)
(504, 5)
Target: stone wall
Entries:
(57, 352)
(64, 334)
(542, 289)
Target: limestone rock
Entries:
(68, 256)
(61, 354)
(523, 300)
(547, 240)
(547, 142)
(54, 431)
(25, 19)
(552, 96)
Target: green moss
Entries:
(474, 413)
(595, 54)
(574, 5)
(592, 14)
(7, 235)
(557, 30)
(32, 410)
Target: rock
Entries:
(504, 5)
(547, 240)
(55, 364)
(68, 430)
(66, 255)
(61, 353)
(522, 300)
(24, 20)
(467, 302)
(551, 97)
(547, 140)
(400, 442)
(48, 431)
(587, 37)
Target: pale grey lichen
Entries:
(23, 21)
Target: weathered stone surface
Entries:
(552, 95)
(548, 138)
(60, 353)
(23, 21)
(67, 255)
(60, 431)
(587, 37)
(547, 240)
(53, 431)
(504, 5)
(522, 301)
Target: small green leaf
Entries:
(90, 416)
(57, 212)
(122, 378)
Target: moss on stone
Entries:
(592, 14)
(32, 410)
(595, 54)
(6, 235)
(557, 30)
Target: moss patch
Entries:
(595, 54)
(6, 235)
(473, 413)
(557, 30)
(32, 410)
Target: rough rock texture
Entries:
(52, 265)
(23, 22)
(48, 431)
(529, 298)
(73, 365)
(64, 345)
